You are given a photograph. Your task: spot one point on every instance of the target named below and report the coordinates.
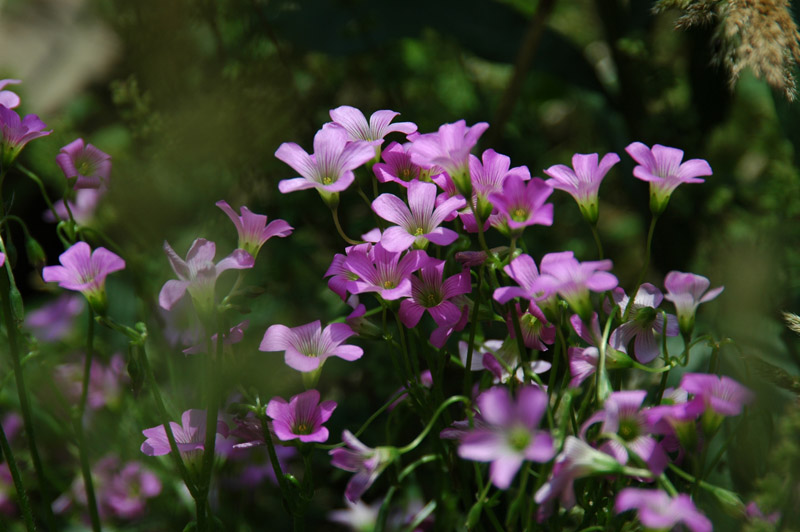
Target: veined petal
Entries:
(296, 157)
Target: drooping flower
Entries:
(397, 166)
(432, 293)
(645, 321)
(382, 271)
(512, 435)
(488, 175)
(721, 396)
(85, 271)
(419, 223)
(661, 166)
(687, 291)
(367, 464)
(449, 149)
(330, 168)
(253, 228)
(15, 133)
(301, 418)
(582, 181)
(7, 98)
(198, 274)
(308, 346)
(53, 321)
(659, 511)
(380, 124)
(84, 165)
(521, 204)
(189, 435)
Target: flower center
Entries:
(388, 284)
(431, 299)
(302, 428)
(327, 180)
(419, 232)
(628, 429)
(645, 317)
(531, 323)
(84, 168)
(405, 174)
(519, 214)
(519, 439)
(311, 354)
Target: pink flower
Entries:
(367, 464)
(86, 201)
(253, 229)
(85, 271)
(488, 175)
(397, 165)
(432, 293)
(355, 123)
(15, 133)
(234, 336)
(105, 382)
(382, 271)
(659, 511)
(7, 98)
(84, 165)
(721, 395)
(645, 321)
(189, 435)
(583, 183)
(301, 418)
(687, 291)
(308, 346)
(53, 321)
(521, 205)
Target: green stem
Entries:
(380, 523)
(602, 344)
(632, 295)
(212, 412)
(597, 242)
(33, 177)
(472, 331)
(335, 212)
(22, 496)
(273, 457)
(369, 420)
(413, 445)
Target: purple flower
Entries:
(382, 271)
(85, 271)
(512, 434)
(308, 346)
(488, 178)
(646, 319)
(355, 123)
(397, 166)
(572, 280)
(198, 274)
(659, 511)
(189, 435)
(253, 229)
(365, 462)
(676, 417)
(662, 167)
(449, 149)
(357, 516)
(582, 364)
(521, 205)
(421, 222)
(536, 332)
(301, 418)
(522, 270)
(234, 336)
(15, 133)
(583, 183)
(721, 396)
(583, 361)
(84, 165)
(330, 168)
(340, 275)
(7, 98)
(86, 200)
(754, 514)
(687, 291)
(53, 321)
(429, 292)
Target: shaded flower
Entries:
(189, 435)
(253, 228)
(301, 418)
(488, 175)
(659, 511)
(572, 280)
(234, 336)
(105, 381)
(521, 204)
(83, 208)
(582, 181)
(308, 346)
(522, 270)
(536, 332)
(340, 275)
(15, 133)
(7, 98)
(721, 396)
(84, 165)
(646, 320)
(687, 291)
(365, 462)
(53, 321)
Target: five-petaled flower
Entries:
(380, 124)
(84, 165)
(253, 228)
(308, 346)
(367, 464)
(189, 435)
(521, 204)
(687, 291)
(301, 418)
(572, 280)
(582, 181)
(15, 133)
(645, 320)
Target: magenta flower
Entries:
(253, 228)
(583, 361)
(521, 205)
(662, 167)
(15, 133)
(431, 293)
(234, 336)
(676, 417)
(687, 291)
(85, 271)
(189, 435)
(53, 321)
(449, 149)
(330, 168)
(572, 280)
(659, 511)
(198, 274)
(421, 222)
(301, 418)
(645, 321)
(382, 271)
(7, 98)
(365, 462)
(582, 181)
(308, 346)
(397, 165)
(511, 435)
(522, 270)
(536, 332)
(340, 275)
(582, 364)
(84, 165)
(721, 396)
(488, 177)
(355, 123)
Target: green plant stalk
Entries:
(335, 212)
(642, 273)
(369, 420)
(22, 496)
(212, 412)
(33, 177)
(472, 331)
(597, 242)
(413, 445)
(380, 523)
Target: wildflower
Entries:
(85, 271)
(420, 223)
(84, 165)
(198, 274)
(53, 321)
(582, 181)
(355, 123)
(338, 272)
(431, 293)
(8, 99)
(330, 168)
(301, 418)
(488, 178)
(721, 396)
(449, 149)
(662, 167)
(582, 364)
(676, 417)
(253, 228)
(189, 435)
(512, 434)
(645, 321)
(659, 511)
(686, 291)
(583, 361)
(397, 166)
(521, 205)
(308, 346)
(15, 133)
(382, 271)
(524, 272)
(365, 462)
(358, 516)
(572, 280)
(536, 332)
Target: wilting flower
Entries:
(687, 291)
(15, 133)
(521, 204)
(85, 271)
(53, 321)
(572, 280)
(84, 165)
(662, 167)
(365, 462)
(253, 228)
(301, 418)
(582, 181)
(308, 346)
(7, 98)
(198, 274)
(511, 435)
(659, 511)
(189, 435)
(355, 123)
(645, 321)
(421, 222)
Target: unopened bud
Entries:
(36, 255)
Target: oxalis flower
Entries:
(397, 166)
(301, 418)
(380, 124)
(308, 346)
(7, 98)
(189, 435)
(582, 181)
(83, 165)
(85, 271)
(253, 228)
(687, 291)
(15, 133)
(645, 321)
(521, 204)
(488, 175)
(659, 511)
(572, 280)
(511, 433)
(365, 462)
(721, 395)
(382, 271)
